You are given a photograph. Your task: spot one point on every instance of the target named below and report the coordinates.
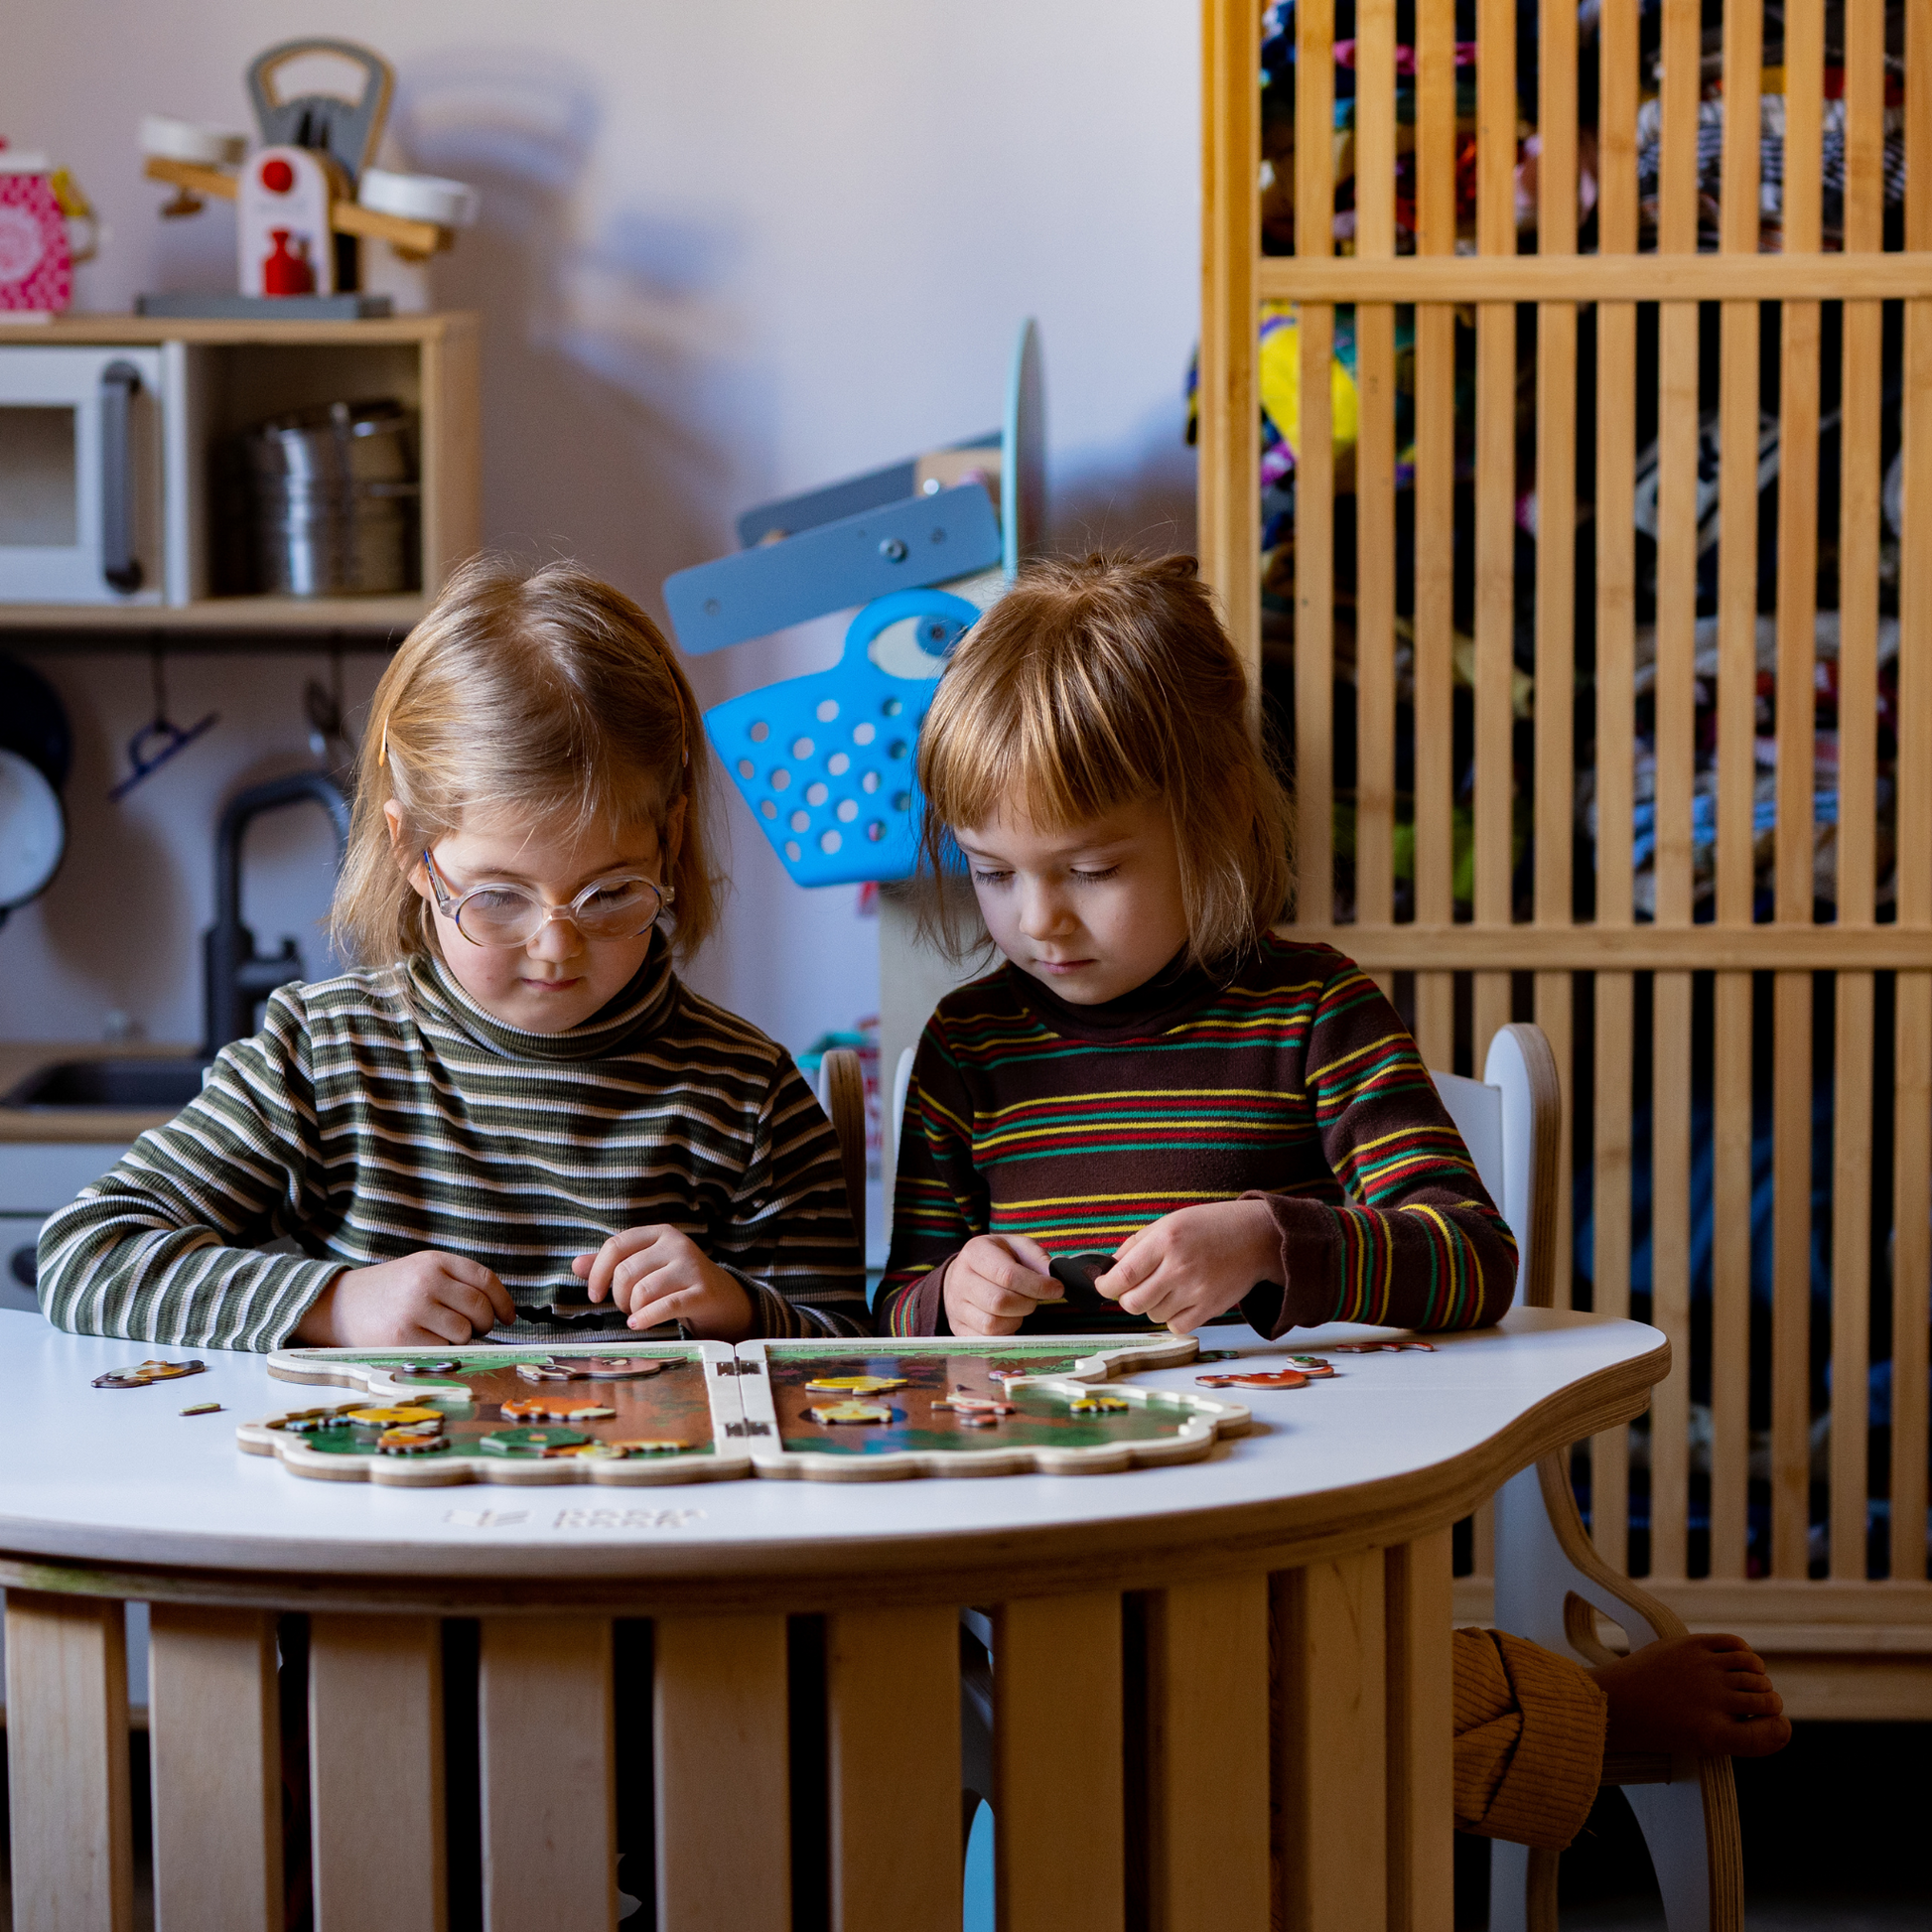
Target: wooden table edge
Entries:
(663, 1577)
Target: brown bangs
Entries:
(1091, 685)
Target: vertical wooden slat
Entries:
(1912, 1138)
(1435, 592)
(1556, 561)
(1330, 1747)
(1676, 754)
(1314, 473)
(1731, 1261)
(376, 1789)
(1858, 705)
(1617, 408)
(1495, 506)
(1375, 471)
(71, 1838)
(1208, 1700)
(1421, 1719)
(721, 1745)
(215, 1735)
(893, 1733)
(549, 1796)
(1227, 396)
(1061, 1848)
(1804, 95)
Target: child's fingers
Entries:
(616, 1250)
(988, 1261)
(1031, 1252)
(678, 1305)
(476, 1309)
(1135, 1264)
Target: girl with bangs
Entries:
(516, 1087)
(1233, 1125)
(1228, 1125)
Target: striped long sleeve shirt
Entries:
(1294, 1080)
(379, 1114)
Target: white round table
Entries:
(1139, 1741)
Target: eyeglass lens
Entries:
(503, 915)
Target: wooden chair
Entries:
(1551, 1583)
(841, 1093)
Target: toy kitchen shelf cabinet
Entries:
(187, 392)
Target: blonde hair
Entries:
(541, 691)
(1093, 685)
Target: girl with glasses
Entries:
(515, 1099)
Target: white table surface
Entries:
(120, 1475)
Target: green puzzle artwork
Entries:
(640, 1411)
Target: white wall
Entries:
(727, 251)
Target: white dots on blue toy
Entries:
(846, 738)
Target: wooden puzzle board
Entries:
(829, 1410)
(679, 1422)
(956, 1407)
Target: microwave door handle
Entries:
(119, 381)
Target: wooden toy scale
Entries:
(831, 1410)
(296, 193)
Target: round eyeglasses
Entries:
(510, 915)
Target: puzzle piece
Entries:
(557, 1408)
(140, 1376)
(409, 1442)
(1380, 1348)
(1279, 1378)
(833, 1414)
(532, 1441)
(647, 1445)
(394, 1417)
(1098, 1404)
(855, 1384)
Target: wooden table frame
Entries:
(1235, 1713)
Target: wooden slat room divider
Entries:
(1604, 666)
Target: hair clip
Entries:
(382, 753)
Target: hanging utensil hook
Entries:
(160, 738)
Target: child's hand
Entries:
(1705, 1694)
(655, 1274)
(425, 1298)
(994, 1282)
(1194, 1264)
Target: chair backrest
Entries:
(841, 1093)
(1511, 1121)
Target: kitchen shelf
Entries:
(227, 375)
(301, 619)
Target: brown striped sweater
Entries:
(379, 1114)
(1290, 1079)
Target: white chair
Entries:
(1550, 1582)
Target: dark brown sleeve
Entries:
(1419, 1243)
(1529, 1739)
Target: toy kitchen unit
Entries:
(275, 468)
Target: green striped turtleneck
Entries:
(383, 1112)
